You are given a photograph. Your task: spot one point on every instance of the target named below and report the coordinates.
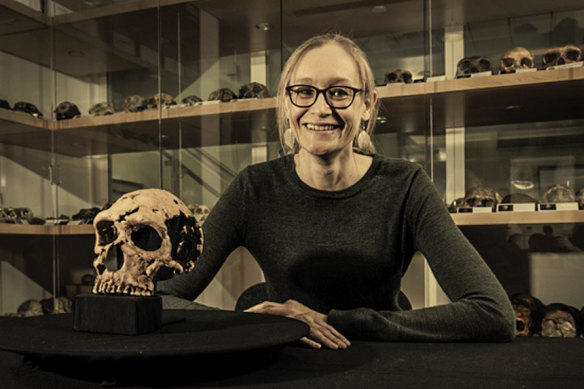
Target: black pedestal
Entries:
(112, 314)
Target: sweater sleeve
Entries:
(223, 232)
(480, 309)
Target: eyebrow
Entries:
(331, 81)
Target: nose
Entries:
(321, 105)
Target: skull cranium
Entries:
(561, 55)
(470, 65)
(559, 321)
(481, 196)
(515, 59)
(397, 76)
(154, 230)
(558, 194)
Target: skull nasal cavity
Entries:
(146, 238)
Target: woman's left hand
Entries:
(321, 333)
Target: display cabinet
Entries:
(515, 133)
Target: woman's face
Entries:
(320, 129)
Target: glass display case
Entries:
(80, 124)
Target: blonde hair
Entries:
(365, 75)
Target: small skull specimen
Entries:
(29, 108)
(4, 104)
(253, 90)
(133, 103)
(102, 109)
(192, 100)
(561, 55)
(67, 110)
(223, 94)
(528, 313)
(160, 100)
(200, 211)
(558, 194)
(397, 76)
(157, 235)
(515, 59)
(560, 321)
(471, 65)
(481, 196)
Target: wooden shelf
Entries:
(540, 217)
(27, 229)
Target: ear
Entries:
(369, 104)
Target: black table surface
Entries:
(528, 362)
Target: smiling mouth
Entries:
(322, 127)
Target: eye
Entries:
(338, 92)
(304, 91)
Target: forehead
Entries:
(328, 63)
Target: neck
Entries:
(331, 173)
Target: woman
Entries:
(334, 227)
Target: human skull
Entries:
(102, 109)
(154, 231)
(200, 212)
(558, 194)
(561, 55)
(559, 321)
(133, 103)
(67, 110)
(253, 89)
(192, 100)
(163, 99)
(470, 65)
(481, 196)
(29, 108)
(528, 313)
(223, 94)
(398, 75)
(515, 59)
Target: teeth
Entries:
(321, 127)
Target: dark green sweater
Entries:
(344, 253)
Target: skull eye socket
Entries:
(550, 57)
(573, 55)
(526, 62)
(106, 231)
(146, 238)
(508, 61)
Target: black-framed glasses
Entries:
(339, 97)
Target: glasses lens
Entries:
(339, 96)
(303, 95)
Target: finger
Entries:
(310, 343)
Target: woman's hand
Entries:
(321, 333)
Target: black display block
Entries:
(116, 314)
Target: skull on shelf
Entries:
(561, 55)
(133, 103)
(160, 100)
(200, 211)
(253, 89)
(560, 321)
(157, 235)
(481, 196)
(223, 94)
(397, 76)
(67, 110)
(528, 314)
(580, 198)
(4, 104)
(192, 100)
(102, 109)
(29, 108)
(558, 194)
(515, 59)
(470, 65)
